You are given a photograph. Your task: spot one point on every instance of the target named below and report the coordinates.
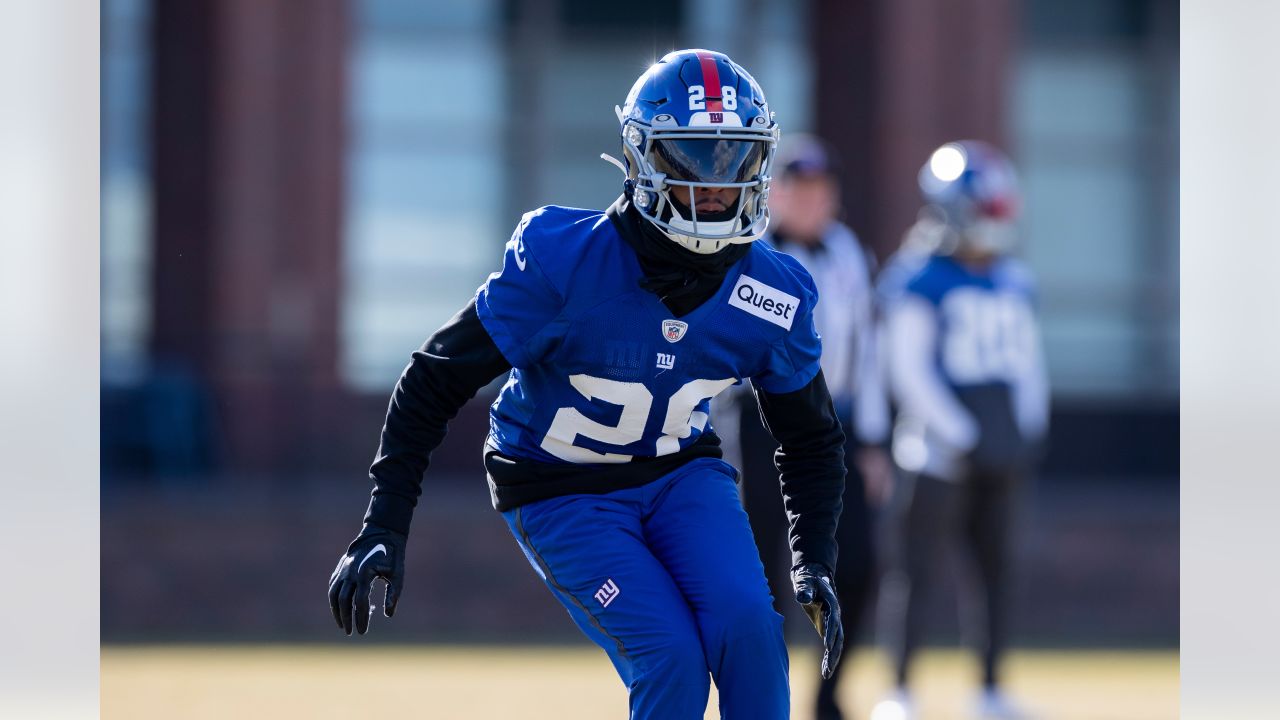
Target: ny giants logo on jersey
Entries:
(765, 302)
(607, 593)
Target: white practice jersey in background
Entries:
(845, 316)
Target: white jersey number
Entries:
(681, 420)
(990, 336)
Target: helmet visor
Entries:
(710, 161)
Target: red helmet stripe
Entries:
(711, 82)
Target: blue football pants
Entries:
(667, 579)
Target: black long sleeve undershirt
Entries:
(458, 360)
(810, 461)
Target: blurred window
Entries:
(1094, 114)
(126, 190)
(593, 14)
(425, 179)
(465, 115)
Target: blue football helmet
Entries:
(696, 119)
(972, 190)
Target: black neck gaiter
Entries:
(682, 279)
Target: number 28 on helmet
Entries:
(697, 142)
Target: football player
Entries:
(967, 374)
(804, 203)
(615, 329)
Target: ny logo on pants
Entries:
(607, 592)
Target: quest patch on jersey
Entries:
(765, 302)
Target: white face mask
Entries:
(686, 231)
(693, 235)
(989, 235)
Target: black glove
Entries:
(812, 585)
(375, 553)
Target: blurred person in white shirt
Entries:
(804, 206)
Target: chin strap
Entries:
(614, 161)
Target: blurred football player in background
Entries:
(615, 329)
(805, 207)
(967, 375)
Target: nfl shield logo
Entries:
(673, 330)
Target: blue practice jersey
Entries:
(986, 325)
(964, 362)
(602, 370)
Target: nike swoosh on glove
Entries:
(812, 585)
(375, 553)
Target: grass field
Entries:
(566, 683)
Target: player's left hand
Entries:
(812, 585)
(375, 553)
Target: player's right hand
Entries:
(375, 553)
